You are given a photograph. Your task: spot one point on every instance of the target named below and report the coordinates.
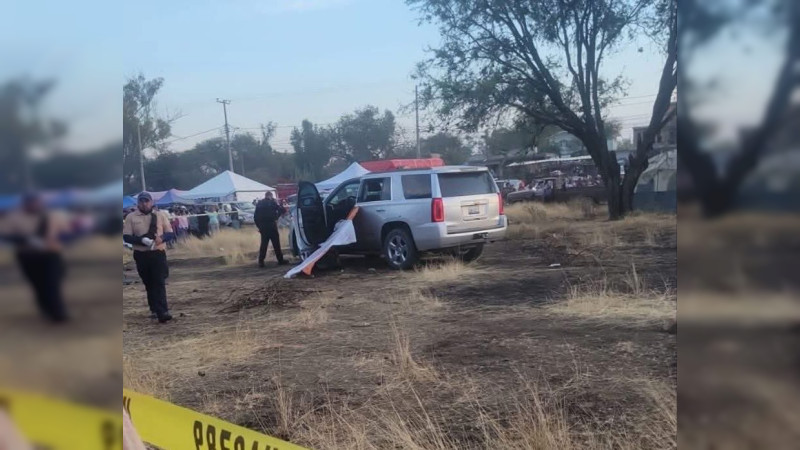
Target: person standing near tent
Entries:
(194, 224)
(235, 217)
(183, 224)
(202, 222)
(213, 220)
(146, 231)
(268, 211)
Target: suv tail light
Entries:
(500, 199)
(437, 210)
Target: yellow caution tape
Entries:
(175, 428)
(58, 425)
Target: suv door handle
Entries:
(380, 210)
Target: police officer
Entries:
(147, 231)
(268, 211)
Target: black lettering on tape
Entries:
(110, 434)
(126, 403)
(255, 445)
(224, 436)
(238, 444)
(198, 434)
(211, 438)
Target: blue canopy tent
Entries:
(108, 194)
(65, 198)
(9, 202)
(128, 202)
(173, 196)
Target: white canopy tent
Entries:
(229, 187)
(353, 171)
(661, 173)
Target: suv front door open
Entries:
(339, 203)
(311, 215)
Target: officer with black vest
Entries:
(148, 231)
(268, 211)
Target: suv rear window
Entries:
(465, 183)
(376, 189)
(416, 186)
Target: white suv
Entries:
(450, 209)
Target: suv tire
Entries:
(399, 249)
(472, 254)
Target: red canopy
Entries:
(383, 165)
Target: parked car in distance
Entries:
(247, 212)
(553, 189)
(513, 183)
(540, 190)
(402, 214)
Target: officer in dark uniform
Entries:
(268, 211)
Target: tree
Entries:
(503, 141)
(448, 146)
(22, 128)
(543, 59)
(137, 120)
(365, 134)
(312, 149)
(187, 169)
(86, 169)
(701, 24)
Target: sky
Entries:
(276, 60)
(289, 60)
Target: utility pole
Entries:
(225, 104)
(416, 109)
(141, 154)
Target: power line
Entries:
(191, 135)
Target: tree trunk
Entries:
(613, 190)
(636, 166)
(613, 184)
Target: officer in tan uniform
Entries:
(36, 235)
(147, 231)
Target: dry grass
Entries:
(401, 415)
(181, 360)
(449, 270)
(234, 246)
(743, 308)
(539, 212)
(144, 379)
(596, 301)
(419, 299)
(600, 237)
(403, 359)
(313, 311)
(577, 220)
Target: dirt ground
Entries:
(559, 334)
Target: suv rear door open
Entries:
(311, 215)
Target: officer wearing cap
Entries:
(147, 231)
